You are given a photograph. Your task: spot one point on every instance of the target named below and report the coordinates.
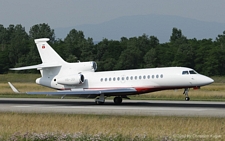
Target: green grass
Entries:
(219, 79)
(18, 77)
(147, 127)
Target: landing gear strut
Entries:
(118, 100)
(100, 100)
(187, 98)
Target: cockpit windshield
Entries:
(189, 72)
(192, 72)
(185, 72)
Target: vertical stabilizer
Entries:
(47, 54)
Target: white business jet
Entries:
(80, 79)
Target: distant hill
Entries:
(157, 25)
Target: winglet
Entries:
(13, 88)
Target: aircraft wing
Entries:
(83, 92)
(89, 93)
(40, 66)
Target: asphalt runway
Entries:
(128, 107)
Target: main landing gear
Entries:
(118, 100)
(101, 100)
(187, 98)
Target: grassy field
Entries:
(22, 126)
(149, 127)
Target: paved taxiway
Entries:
(128, 107)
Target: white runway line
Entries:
(123, 108)
(21, 106)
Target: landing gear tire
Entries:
(187, 98)
(118, 100)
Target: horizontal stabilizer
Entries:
(40, 66)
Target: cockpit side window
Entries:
(192, 72)
(185, 72)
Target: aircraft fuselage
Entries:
(143, 80)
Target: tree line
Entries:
(207, 56)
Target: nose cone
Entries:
(209, 80)
(206, 80)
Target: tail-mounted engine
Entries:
(85, 66)
(71, 80)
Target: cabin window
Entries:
(127, 78)
(139, 77)
(118, 78)
(114, 78)
(135, 77)
(110, 79)
(122, 78)
(105, 79)
(131, 78)
(185, 72)
(101, 79)
(153, 76)
(149, 76)
(144, 77)
(157, 76)
(161, 75)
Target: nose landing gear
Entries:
(187, 98)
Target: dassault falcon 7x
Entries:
(80, 79)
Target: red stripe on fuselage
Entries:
(141, 90)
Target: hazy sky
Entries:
(59, 13)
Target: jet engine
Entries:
(85, 66)
(71, 80)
